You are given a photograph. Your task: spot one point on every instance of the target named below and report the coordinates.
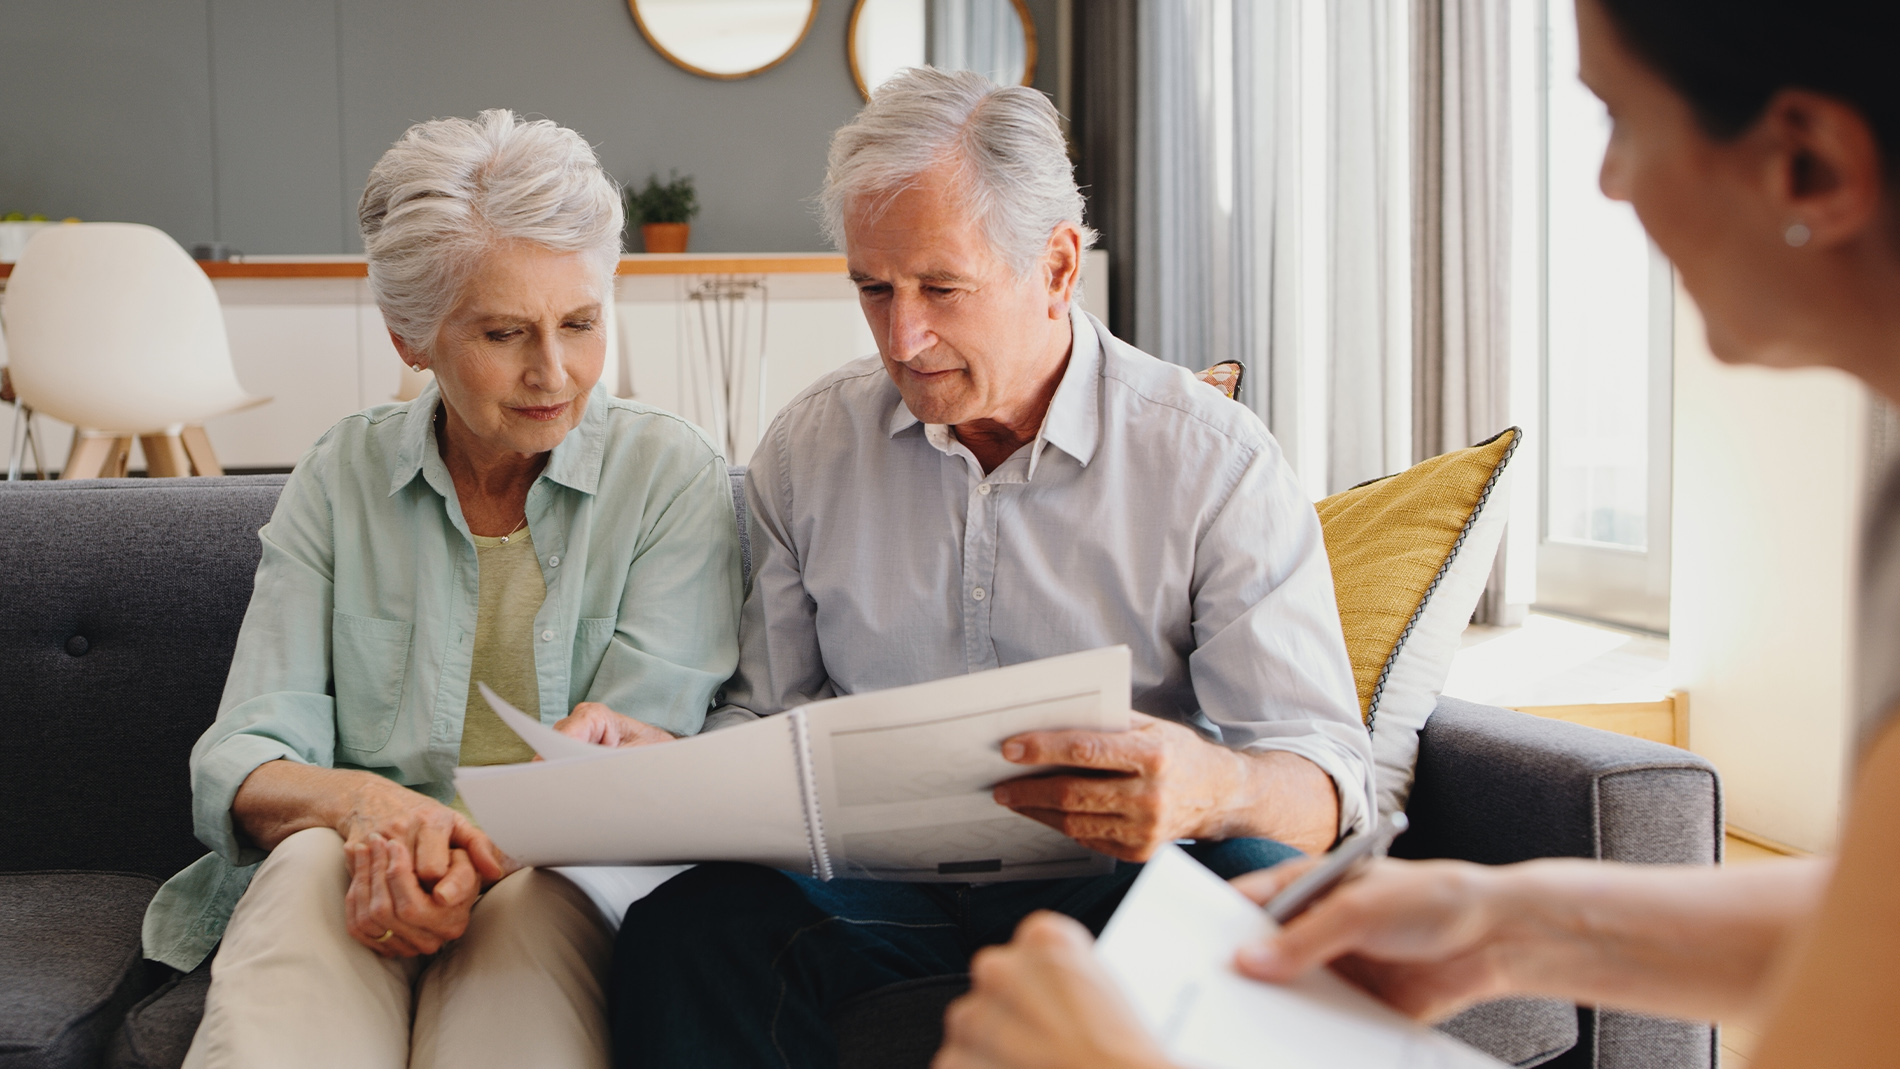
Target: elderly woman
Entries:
(513, 525)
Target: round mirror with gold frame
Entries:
(996, 38)
(725, 39)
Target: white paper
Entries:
(728, 795)
(901, 780)
(904, 775)
(1171, 946)
(612, 888)
(549, 743)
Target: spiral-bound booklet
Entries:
(892, 784)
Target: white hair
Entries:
(451, 189)
(1005, 144)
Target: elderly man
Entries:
(1007, 481)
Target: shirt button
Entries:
(547, 636)
(983, 488)
(554, 561)
(978, 594)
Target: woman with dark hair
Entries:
(1759, 141)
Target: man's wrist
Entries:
(1265, 794)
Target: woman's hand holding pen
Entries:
(1429, 938)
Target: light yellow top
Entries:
(511, 592)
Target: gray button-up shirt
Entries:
(1149, 511)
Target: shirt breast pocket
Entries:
(369, 662)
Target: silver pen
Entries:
(1335, 867)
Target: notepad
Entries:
(892, 784)
(1171, 946)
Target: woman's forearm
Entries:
(281, 798)
(1692, 943)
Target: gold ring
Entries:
(387, 932)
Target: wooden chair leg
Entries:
(92, 457)
(118, 459)
(164, 455)
(198, 447)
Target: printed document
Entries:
(892, 784)
(1171, 946)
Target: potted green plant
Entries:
(663, 212)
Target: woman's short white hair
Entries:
(451, 189)
(1005, 143)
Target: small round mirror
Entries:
(725, 39)
(995, 38)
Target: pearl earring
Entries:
(1797, 235)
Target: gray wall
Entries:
(254, 122)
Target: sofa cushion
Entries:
(120, 601)
(70, 958)
(158, 1031)
(1410, 555)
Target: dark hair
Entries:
(1728, 58)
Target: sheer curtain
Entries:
(1462, 175)
(1273, 216)
(1475, 248)
(978, 35)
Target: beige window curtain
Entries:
(1462, 237)
(1272, 219)
(1461, 244)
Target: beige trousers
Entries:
(289, 987)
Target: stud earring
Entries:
(1797, 235)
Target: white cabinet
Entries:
(318, 349)
(316, 346)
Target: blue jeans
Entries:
(740, 965)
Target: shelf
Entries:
(685, 263)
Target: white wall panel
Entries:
(1768, 477)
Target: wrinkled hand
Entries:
(1043, 1001)
(1154, 783)
(405, 850)
(385, 897)
(1429, 938)
(596, 723)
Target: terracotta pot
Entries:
(665, 237)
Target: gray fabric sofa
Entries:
(120, 602)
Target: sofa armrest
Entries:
(1496, 786)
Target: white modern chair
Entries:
(114, 329)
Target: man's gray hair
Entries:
(1005, 143)
(450, 190)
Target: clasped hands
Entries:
(417, 866)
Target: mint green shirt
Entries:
(355, 651)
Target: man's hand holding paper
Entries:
(1159, 782)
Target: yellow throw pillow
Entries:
(1411, 554)
(1391, 542)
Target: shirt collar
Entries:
(1073, 423)
(575, 462)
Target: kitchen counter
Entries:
(684, 263)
